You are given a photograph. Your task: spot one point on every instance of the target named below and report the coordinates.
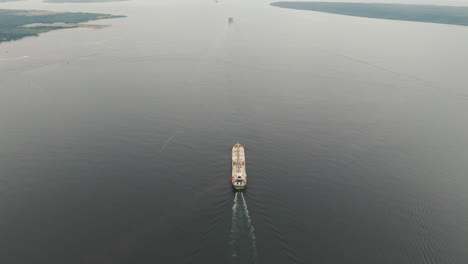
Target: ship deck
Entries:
(239, 175)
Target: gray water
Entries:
(115, 143)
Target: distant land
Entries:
(455, 15)
(82, 1)
(8, 0)
(17, 24)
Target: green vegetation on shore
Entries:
(456, 15)
(13, 22)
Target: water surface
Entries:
(116, 142)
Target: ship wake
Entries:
(242, 239)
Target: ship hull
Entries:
(239, 189)
(239, 174)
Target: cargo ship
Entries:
(239, 176)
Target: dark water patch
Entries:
(455, 15)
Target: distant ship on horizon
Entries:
(239, 175)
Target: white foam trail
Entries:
(234, 230)
(234, 218)
(242, 240)
(234, 206)
(251, 228)
(167, 143)
(19, 58)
